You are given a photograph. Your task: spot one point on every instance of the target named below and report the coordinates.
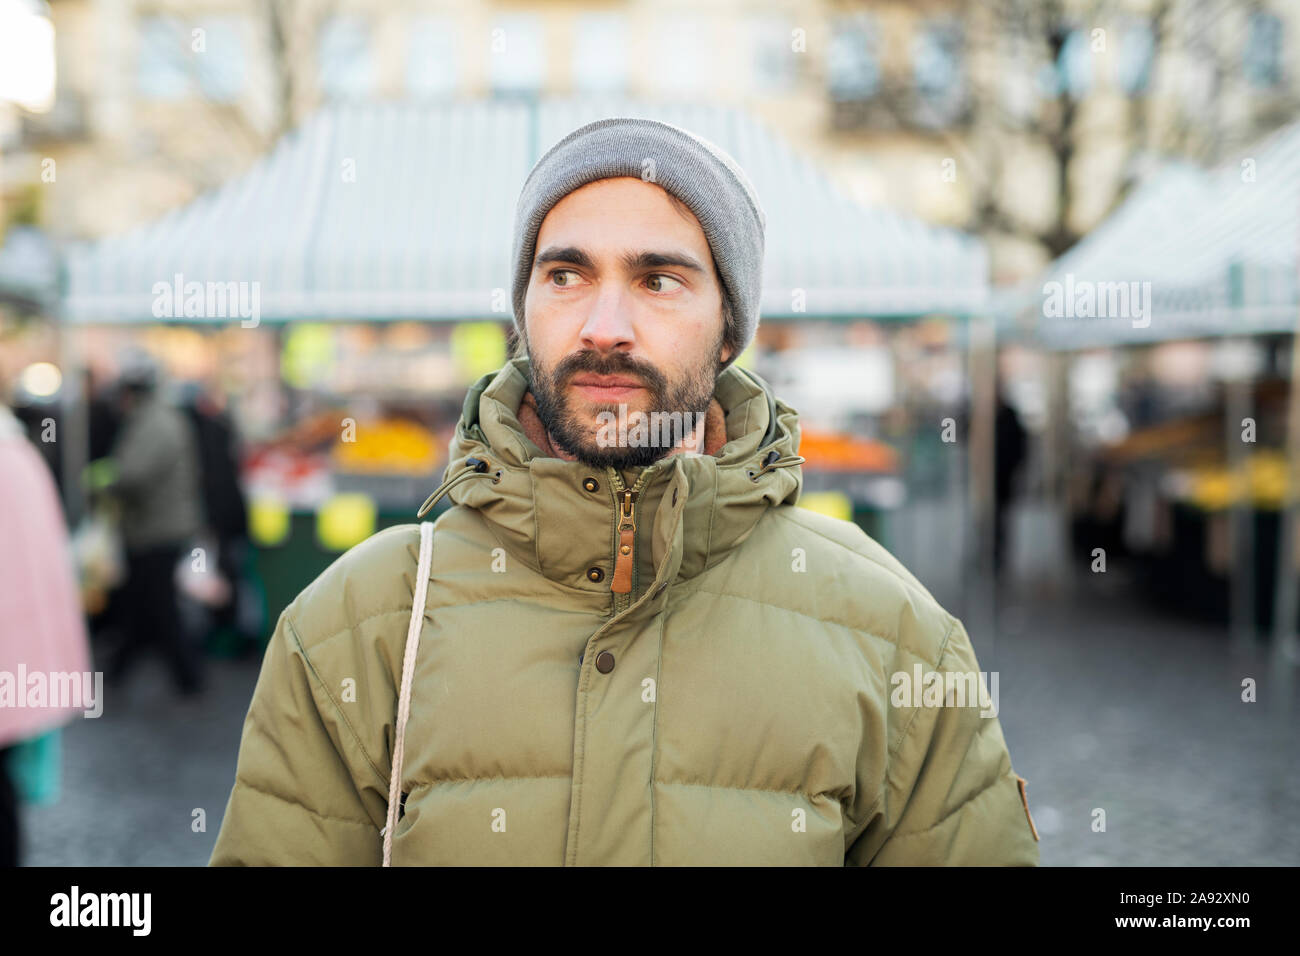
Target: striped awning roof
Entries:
(405, 210)
(29, 269)
(1220, 249)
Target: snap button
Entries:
(591, 484)
(595, 574)
(604, 662)
(626, 549)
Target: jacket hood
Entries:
(692, 509)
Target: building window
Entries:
(681, 50)
(1018, 87)
(853, 61)
(344, 57)
(1262, 60)
(1074, 65)
(221, 64)
(600, 53)
(163, 64)
(432, 62)
(1136, 52)
(517, 61)
(938, 74)
(773, 56)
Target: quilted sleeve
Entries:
(305, 792)
(950, 796)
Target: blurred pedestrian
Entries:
(102, 416)
(42, 418)
(102, 421)
(223, 499)
(1010, 450)
(153, 474)
(43, 632)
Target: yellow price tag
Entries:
(478, 348)
(308, 357)
(833, 504)
(345, 520)
(268, 521)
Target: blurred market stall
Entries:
(1178, 315)
(29, 269)
(368, 253)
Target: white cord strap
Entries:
(408, 672)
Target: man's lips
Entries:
(605, 387)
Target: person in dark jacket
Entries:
(153, 474)
(223, 499)
(1010, 449)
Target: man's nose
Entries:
(608, 324)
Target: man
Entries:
(153, 474)
(631, 654)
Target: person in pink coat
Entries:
(44, 652)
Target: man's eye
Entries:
(562, 272)
(661, 279)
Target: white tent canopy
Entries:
(405, 210)
(29, 268)
(1219, 250)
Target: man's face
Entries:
(623, 308)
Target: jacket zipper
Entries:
(625, 553)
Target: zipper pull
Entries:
(622, 577)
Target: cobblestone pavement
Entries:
(1109, 705)
(1105, 704)
(133, 777)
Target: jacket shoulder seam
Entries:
(350, 627)
(910, 585)
(337, 709)
(902, 737)
(938, 665)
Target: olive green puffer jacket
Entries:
(736, 705)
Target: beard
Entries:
(570, 427)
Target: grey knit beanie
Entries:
(687, 166)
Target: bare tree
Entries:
(1046, 50)
(290, 29)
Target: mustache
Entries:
(616, 363)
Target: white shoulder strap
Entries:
(408, 672)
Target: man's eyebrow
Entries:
(632, 261)
(563, 254)
(636, 261)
